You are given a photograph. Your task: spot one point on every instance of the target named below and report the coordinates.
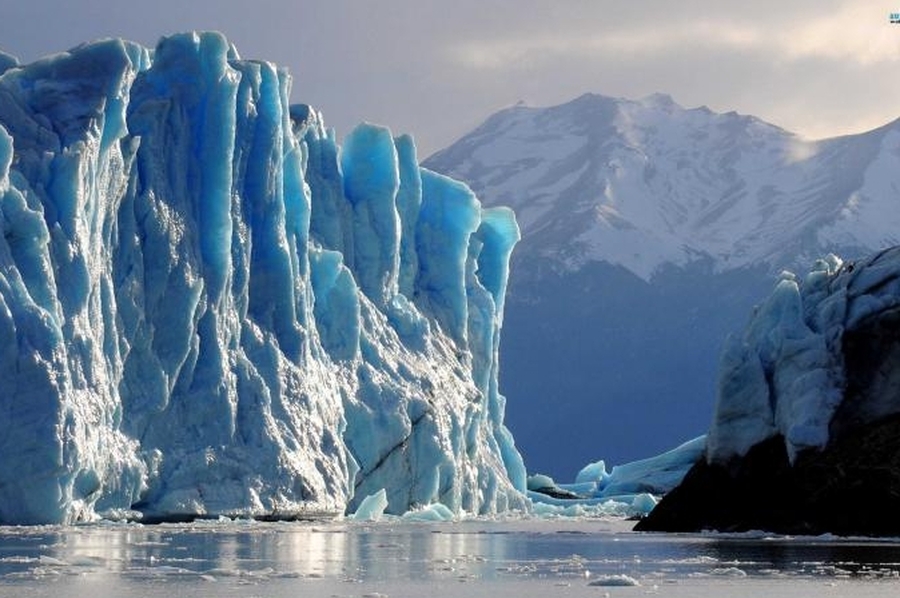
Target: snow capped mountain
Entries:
(645, 183)
(648, 233)
(207, 308)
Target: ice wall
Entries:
(793, 371)
(207, 307)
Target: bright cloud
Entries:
(857, 32)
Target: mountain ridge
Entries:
(662, 183)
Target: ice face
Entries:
(208, 307)
(629, 489)
(7, 61)
(787, 373)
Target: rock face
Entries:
(815, 446)
(850, 488)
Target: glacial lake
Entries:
(510, 558)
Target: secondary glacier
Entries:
(808, 404)
(809, 364)
(208, 307)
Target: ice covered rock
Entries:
(208, 308)
(788, 373)
(806, 427)
(847, 488)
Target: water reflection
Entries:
(809, 556)
(126, 558)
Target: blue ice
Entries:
(208, 306)
(785, 373)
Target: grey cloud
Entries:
(403, 62)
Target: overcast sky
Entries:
(437, 69)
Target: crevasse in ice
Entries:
(208, 307)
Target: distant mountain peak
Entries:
(659, 99)
(642, 183)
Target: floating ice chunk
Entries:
(656, 475)
(593, 472)
(644, 503)
(630, 489)
(620, 505)
(539, 481)
(582, 488)
(372, 507)
(581, 508)
(728, 572)
(432, 512)
(621, 580)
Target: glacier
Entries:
(208, 307)
(629, 489)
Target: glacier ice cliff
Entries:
(208, 307)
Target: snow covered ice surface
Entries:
(208, 307)
(512, 557)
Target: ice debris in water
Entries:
(432, 512)
(208, 308)
(372, 507)
(629, 489)
(614, 581)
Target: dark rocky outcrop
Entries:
(852, 487)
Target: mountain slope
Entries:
(649, 231)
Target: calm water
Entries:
(510, 558)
